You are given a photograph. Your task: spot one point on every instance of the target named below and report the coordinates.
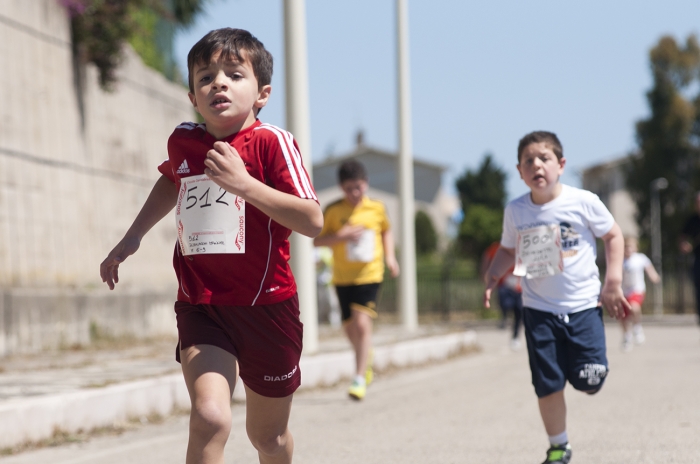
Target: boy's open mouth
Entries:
(220, 101)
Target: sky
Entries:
(483, 74)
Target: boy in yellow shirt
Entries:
(357, 230)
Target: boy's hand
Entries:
(109, 269)
(614, 301)
(393, 266)
(226, 168)
(350, 233)
(491, 282)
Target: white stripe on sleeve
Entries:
(287, 157)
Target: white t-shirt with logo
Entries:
(573, 284)
(633, 273)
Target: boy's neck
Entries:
(352, 203)
(540, 197)
(220, 133)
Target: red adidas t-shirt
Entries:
(262, 274)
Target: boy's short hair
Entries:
(351, 170)
(550, 138)
(630, 239)
(231, 42)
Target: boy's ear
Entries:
(562, 163)
(193, 100)
(517, 166)
(263, 96)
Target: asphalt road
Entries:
(478, 408)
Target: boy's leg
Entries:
(210, 374)
(503, 303)
(267, 422)
(517, 314)
(553, 412)
(359, 331)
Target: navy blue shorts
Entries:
(566, 347)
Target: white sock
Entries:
(560, 439)
(637, 328)
(360, 379)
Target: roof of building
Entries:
(381, 168)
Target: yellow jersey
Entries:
(361, 262)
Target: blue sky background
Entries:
(483, 74)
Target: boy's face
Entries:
(354, 190)
(540, 168)
(630, 248)
(226, 94)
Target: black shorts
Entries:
(361, 298)
(566, 347)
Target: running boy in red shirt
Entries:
(239, 188)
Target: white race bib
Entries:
(363, 249)
(208, 218)
(538, 252)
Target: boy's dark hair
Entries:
(550, 138)
(351, 170)
(231, 42)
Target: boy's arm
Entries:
(226, 168)
(159, 203)
(611, 296)
(653, 275)
(502, 261)
(390, 253)
(347, 233)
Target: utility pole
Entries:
(407, 296)
(657, 185)
(298, 123)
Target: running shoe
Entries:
(627, 342)
(559, 454)
(514, 344)
(369, 373)
(357, 390)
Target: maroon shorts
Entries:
(266, 340)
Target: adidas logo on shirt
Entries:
(184, 168)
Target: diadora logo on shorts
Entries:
(279, 378)
(184, 168)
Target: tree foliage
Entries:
(483, 197)
(669, 139)
(426, 237)
(100, 28)
(486, 186)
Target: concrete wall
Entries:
(76, 164)
(607, 180)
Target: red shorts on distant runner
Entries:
(266, 340)
(637, 297)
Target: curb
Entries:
(38, 418)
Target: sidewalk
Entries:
(84, 389)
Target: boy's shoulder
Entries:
(337, 204)
(273, 133)
(567, 196)
(189, 130)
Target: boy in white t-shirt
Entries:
(550, 235)
(634, 289)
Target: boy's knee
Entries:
(269, 444)
(589, 378)
(210, 418)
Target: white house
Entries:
(430, 196)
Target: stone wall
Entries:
(76, 165)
